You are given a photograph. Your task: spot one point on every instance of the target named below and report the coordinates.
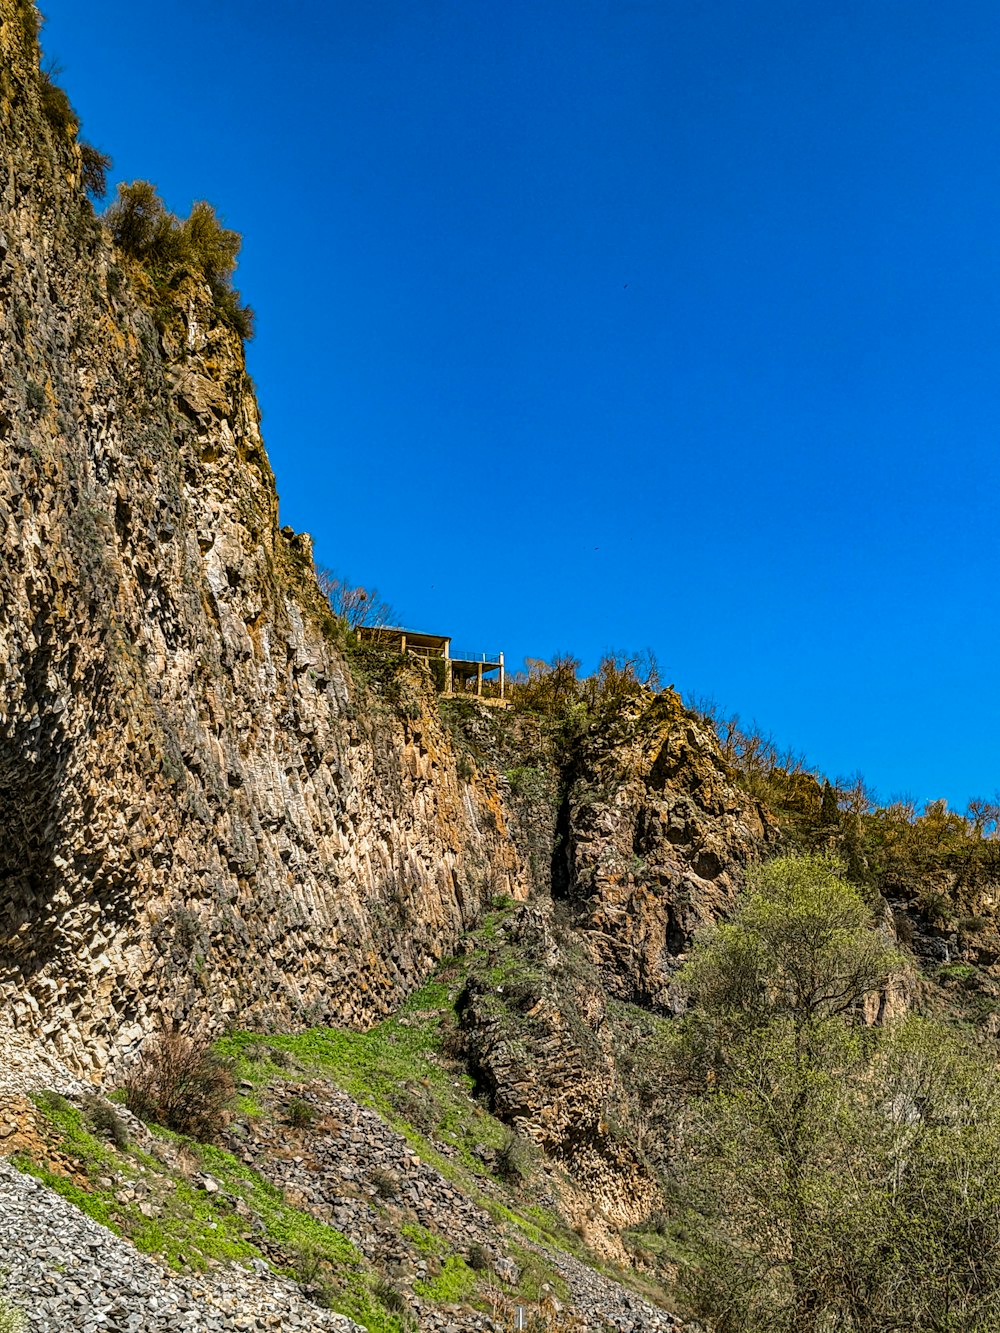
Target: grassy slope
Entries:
(155, 1194)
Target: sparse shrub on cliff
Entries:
(300, 1114)
(142, 226)
(95, 167)
(30, 21)
(35, 396)
(390, 1297)
(181, 1083)
(554, 690)
(356, 607)
(513, 1159)
(56, 105)
(478, 1258)
(935, 905)
(386, 1183)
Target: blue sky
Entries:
(606, 323)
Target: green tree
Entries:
(835, 1174)
(829, 813)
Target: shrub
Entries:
(181, 1083)
(30, 21)
(478, 1257)
(355, 606)
(309, 1266)
(513, 1161)
(973, 925)
(141, 225)
(904, 928)
(56, 105)
(136, 219)
(389, 1296)
(95, 166)
(300, 1114)
(386, 1182)
(935, 905)
(105, 1121)
(237, 315)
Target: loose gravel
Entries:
(64, 1272)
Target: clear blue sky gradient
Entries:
(607, 323)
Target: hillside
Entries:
(437, 946)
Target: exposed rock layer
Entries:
(212, 808)
(656, 835)
(204, 812)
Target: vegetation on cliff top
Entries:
(140, 225)
(57, 109)
(170, 249)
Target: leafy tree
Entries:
(836, 1175)
(546, 687)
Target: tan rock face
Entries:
(656, 835)
(204, 812)
(542, 1048)
(212, 808)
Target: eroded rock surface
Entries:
(206, 814)
(657, 833)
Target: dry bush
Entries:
(94, 166)
(181, 1083)
(105, 1120)
(386, 1183)
(513, 1159)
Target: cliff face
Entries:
(212, 807)
(656, 833)
(204, 812)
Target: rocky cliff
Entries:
(657, 833)
(219, 810)
(213, 806)
(205, 812)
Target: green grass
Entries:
(536, 1276)
(423, 1240)
(97, 1204)
(77, 1140)
(399, 1068)
(188, 1232)
(455, 1283)
(393, 1068)
(283, 1222)
(192, 1228)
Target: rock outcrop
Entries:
(542, 1047)
(206, 814)
(656, 832)
(213, 807)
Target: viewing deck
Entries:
(464, 672)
